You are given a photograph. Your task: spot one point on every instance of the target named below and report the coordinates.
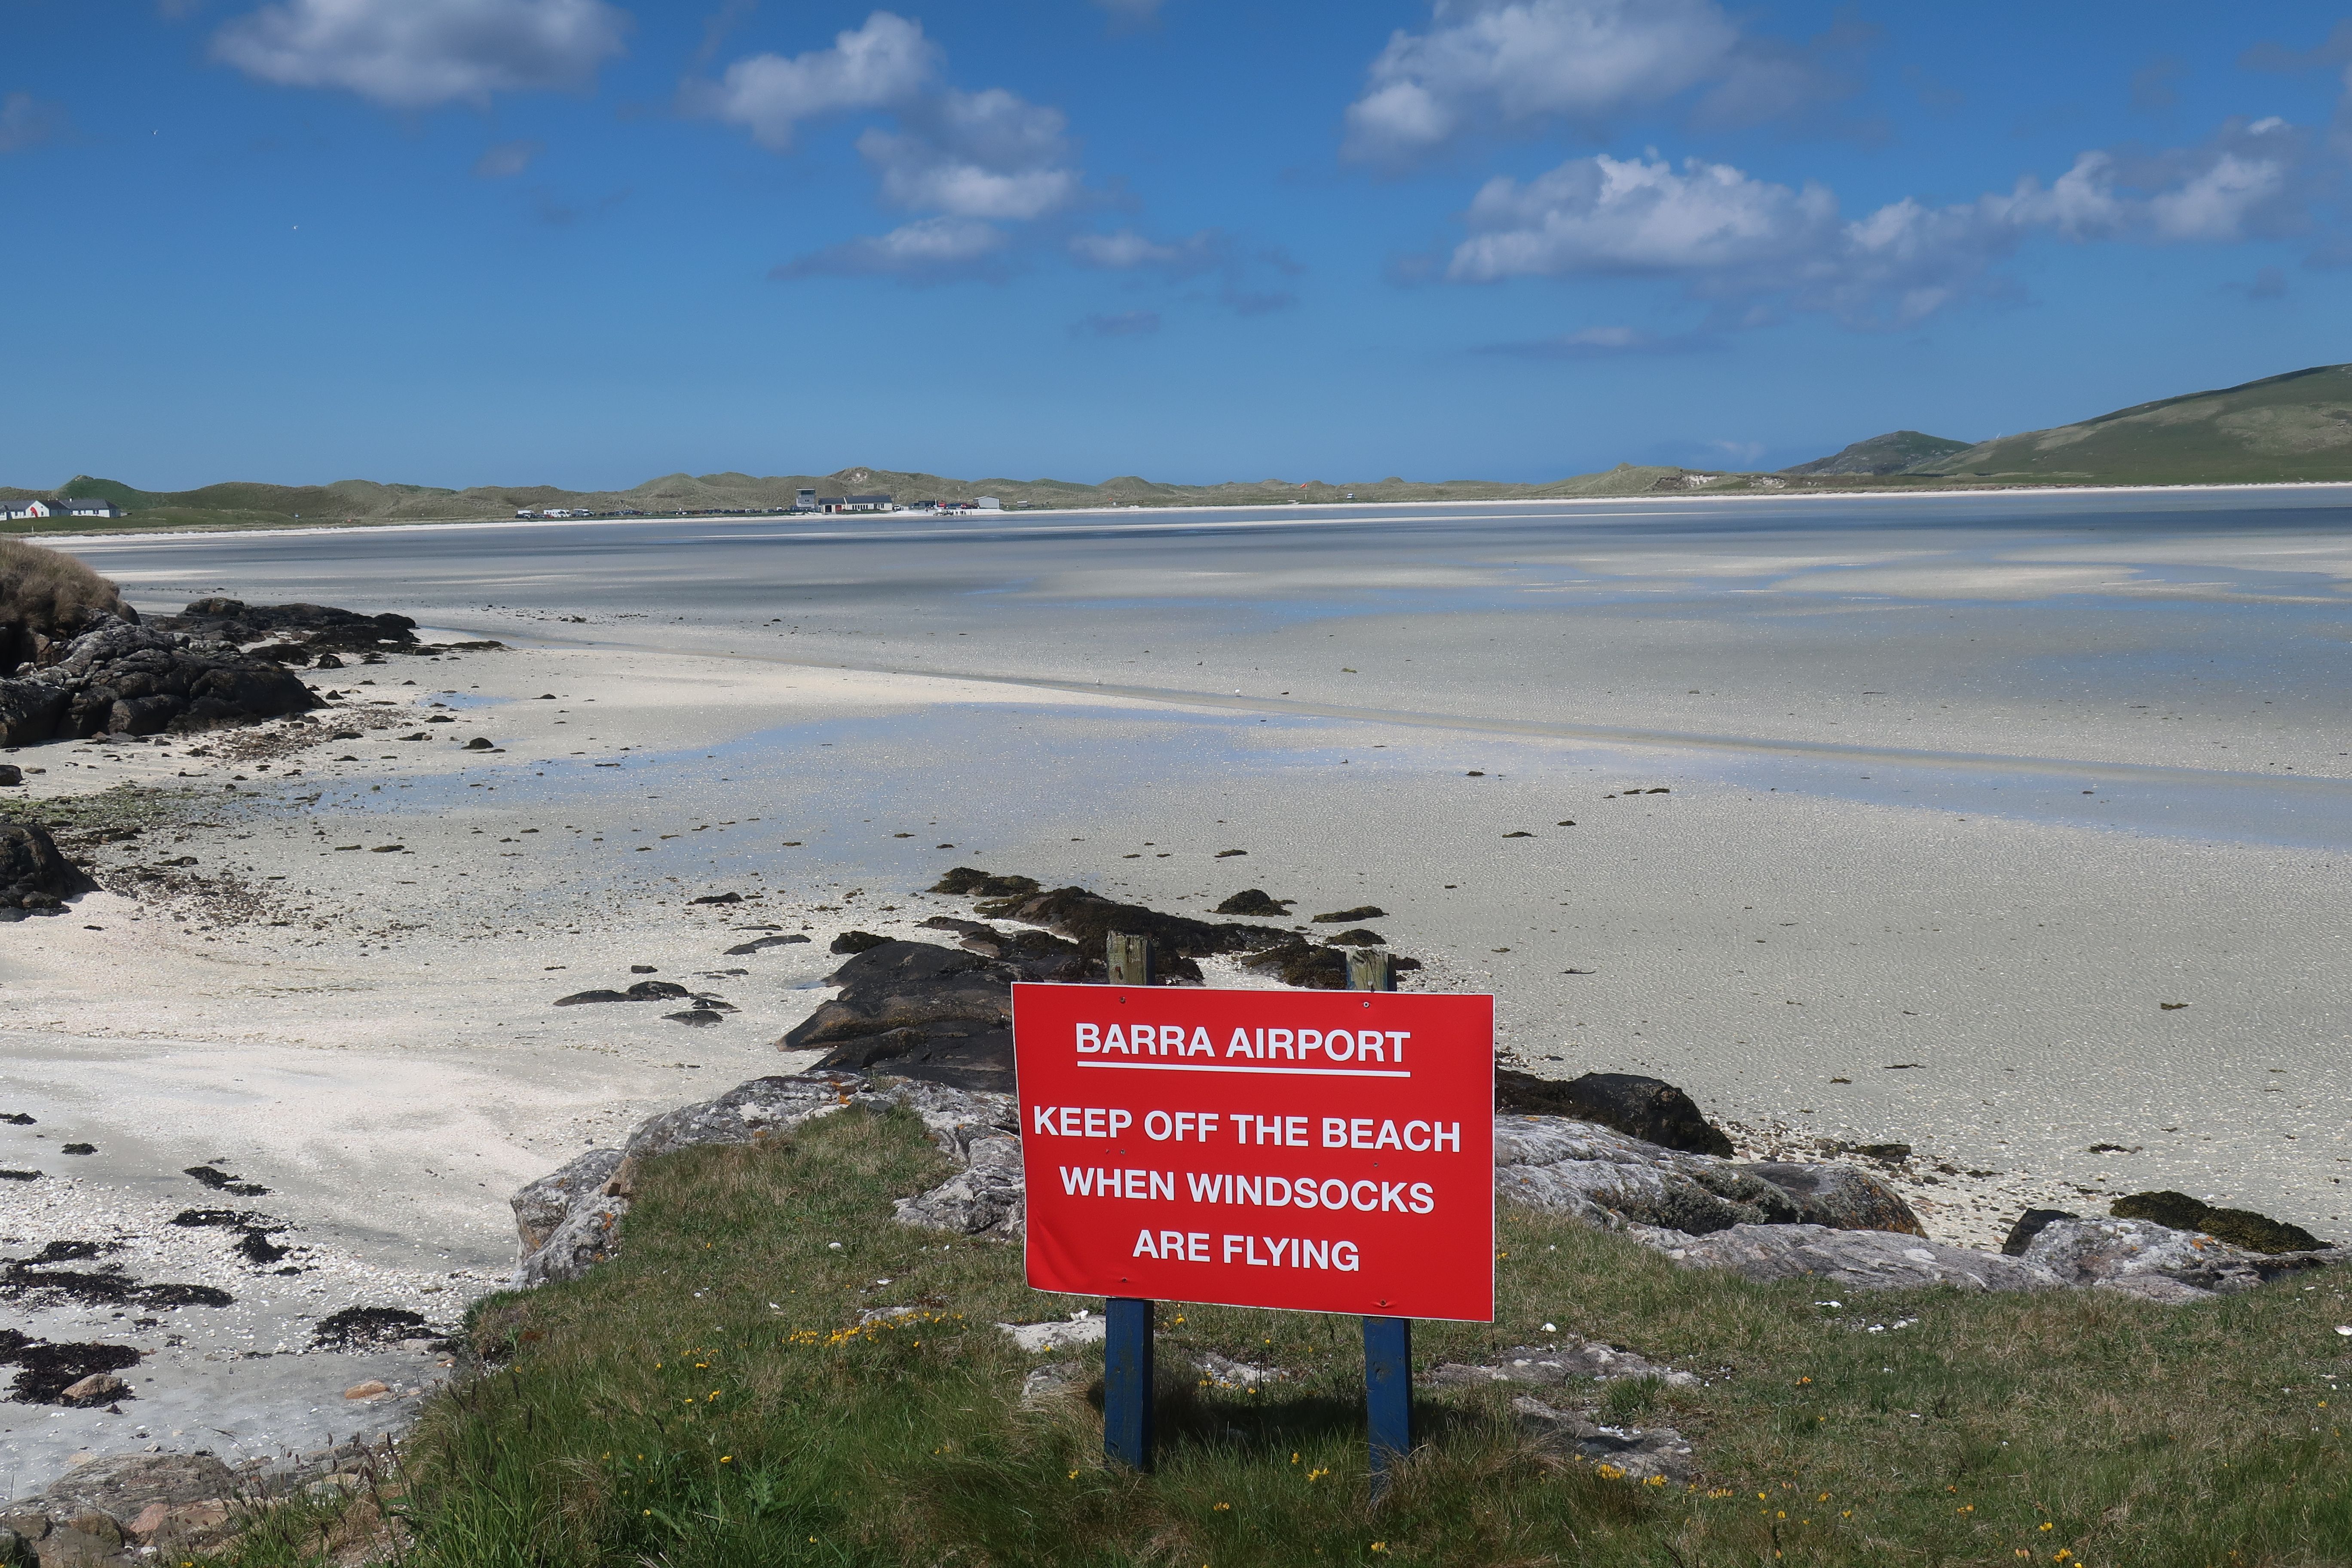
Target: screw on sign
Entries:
(1307, 1150)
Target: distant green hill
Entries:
(2292, 426)
(362, 501)
(1896, 452)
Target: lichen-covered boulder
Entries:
(1611, 1180)
(1850, 1259)
(2118, 1251)
(1842, 1198)
(540, 1207)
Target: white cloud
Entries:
(882, 64)
(507, 159)
(1602, 215)
(1512, 64)
(416, 54)
(929, 249)
(975, 154)
(1751, 245)
(969, 160)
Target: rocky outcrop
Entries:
(2240, 1227)
(128, 678)
(540, 1207)
(35, 877)
(938, 1013)
(2143, 1257)
(295, 633)
(1087, 917)
(1178, 942)
(1841, 1197)
(1850, 1259)
(1614, 1182)
(569, 1221)
(133, 1509)
(1648, 1109)
(1771, 1221)
(2029, 1224)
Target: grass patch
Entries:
(43, 589)
(711, 1398)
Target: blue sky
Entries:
(585, 242)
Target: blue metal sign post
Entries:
(1127, 1383)
(1388, 1394)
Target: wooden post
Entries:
(1370, 969)
(1388, 1394)
(1127, 1380)
(1128, 959)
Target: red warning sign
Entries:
(1318, 1150)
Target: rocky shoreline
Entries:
(929, 1027)
(924, 1024)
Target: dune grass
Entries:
(42, 589)
(711, 1398)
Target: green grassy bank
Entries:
(708, 1398)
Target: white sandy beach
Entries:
(1941, 839)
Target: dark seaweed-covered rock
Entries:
(2239, 1227)
(316, 626)
(1361, 912)
(1041, 955)
(851, 941)
(127, 678)
(643, 991)
(366, 1327)
(221, 1180)
(35, 877)
(907, 985)
(1646, 1108)
(761, 944)
(1358, 937)
(1304, 964)
(658, 991)
(49, 1370)
(1254, 902)
(1087, 917)
(968, 881)
(961, 1054)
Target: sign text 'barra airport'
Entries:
(1319, 1150)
